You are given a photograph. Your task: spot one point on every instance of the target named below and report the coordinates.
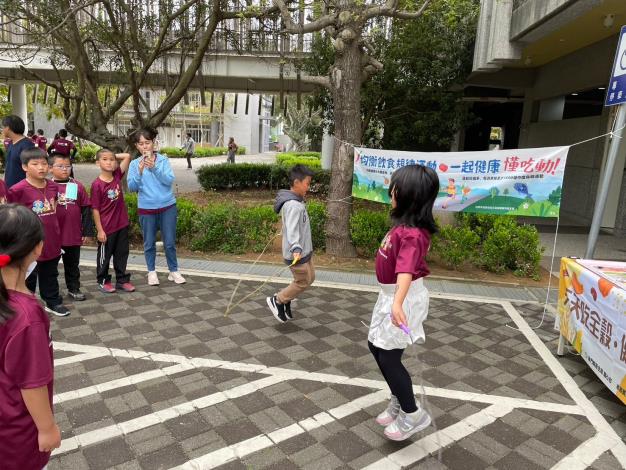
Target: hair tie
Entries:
(4, 260)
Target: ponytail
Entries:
(20, 233)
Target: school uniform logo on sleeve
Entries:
(385, 245)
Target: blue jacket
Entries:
(154, 185)
(13, 172)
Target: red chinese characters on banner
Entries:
(530, 165)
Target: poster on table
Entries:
(592, 317)
(508, 182)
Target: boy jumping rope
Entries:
(297, 241)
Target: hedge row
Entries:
(87, 153)
(496, 243)
(254, 175)
(176, 152)
(310, 159)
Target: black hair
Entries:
(415, 188)
(20, 233)
(188, 134)
(299, 172)
(14, 123)
(147, 132)
(62, 133)
(54, 155)
(40, 131)
(33, 153)
(102, 151)
(30, 133)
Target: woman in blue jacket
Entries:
(152, 177)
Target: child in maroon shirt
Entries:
(75, 221)
(28, 431)
(402, 304)
(40, 195)
(111, 218)
(3, 192)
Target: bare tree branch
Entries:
(390, 9)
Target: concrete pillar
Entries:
(18, 100)
(328, 147)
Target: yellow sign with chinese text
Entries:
(592, 316)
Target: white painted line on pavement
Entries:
(293, 374)
(264, 441)
(439, 439)
(584, 455)
(152, 419)
(121, 382)
(618, 447)
(77, 358)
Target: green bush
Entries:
(252, 176)
(310, 159)
(367, 229)
(187, 214)
(480, 224)
(87, 153)
(228, 229)
(134, 230)
(317, 219)
(260, 228)
(176, 152)
(512, 246)
(455, 246)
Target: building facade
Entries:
(540, 72)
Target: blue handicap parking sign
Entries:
(616, 93)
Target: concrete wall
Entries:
(583, 163)
(50, 127)
(247, 129)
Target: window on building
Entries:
(584, 103)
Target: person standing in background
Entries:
(41, 141)
(13, 129)
(189, 147)
(232, 150)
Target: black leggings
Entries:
(396, 376)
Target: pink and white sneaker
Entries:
(407, 424)
(389, 415)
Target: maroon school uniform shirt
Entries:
(62, 146)
(41, 141)
(26, 361)
(3, 192)
(69, 214)
(403, 250)
(108, 199)
(43, 202)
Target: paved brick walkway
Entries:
(162, 379)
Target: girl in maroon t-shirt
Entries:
(402, 304)
(28, 431)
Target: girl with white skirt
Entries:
(402, 306)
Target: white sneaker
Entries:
(390, 414)
(176, 277)
(153, 279)
(407, 424)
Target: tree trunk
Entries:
(345, 81)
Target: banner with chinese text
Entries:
(512, 182)
(592, 317)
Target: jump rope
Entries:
(424, 403)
